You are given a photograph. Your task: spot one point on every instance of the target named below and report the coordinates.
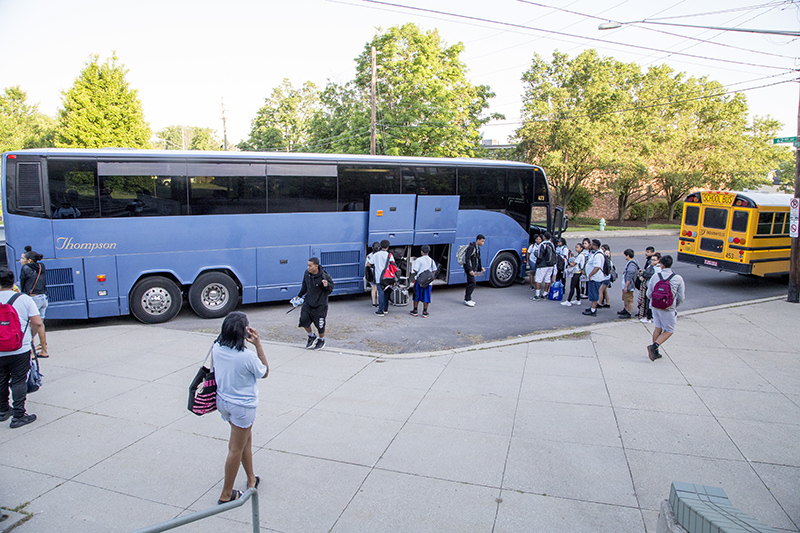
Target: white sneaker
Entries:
(566, 304)
(469, 303)
(576, 302)
(645, 321)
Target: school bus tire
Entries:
(505, 268)
(155, 299)
(213, 295)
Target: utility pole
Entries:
(224, 127)
(372, 136)
(794, 262)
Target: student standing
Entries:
(645, 276)
(380, 261)
(628, 280)
(422, 266)
(533, 256)
(473, 267)
(15, 363)
(575, 272)
(32, 282)
(594, 268)
(317, 286)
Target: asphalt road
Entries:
(499, 313)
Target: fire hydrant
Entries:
(602, 224)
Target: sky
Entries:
(188, 57)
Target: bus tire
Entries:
(504, 270)
(213, 295)
(156, 299)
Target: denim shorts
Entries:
(41, 303)
(237, 415)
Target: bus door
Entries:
(391, 217)
(437, 220)
(713, 233)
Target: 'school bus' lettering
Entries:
(720, 198)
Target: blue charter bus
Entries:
(141, 231)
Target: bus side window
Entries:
(777, 228)
(692, 215)
(73, 188)
(764, 224)
(739, 222)
(482, 188)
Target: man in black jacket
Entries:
(473, 267)
(317, 286)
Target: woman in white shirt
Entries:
(237, 370)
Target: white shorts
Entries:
(544, 274)
(666, 319)
(237, 415)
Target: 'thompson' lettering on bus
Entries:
(64, 243)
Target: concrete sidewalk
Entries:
(577, 433)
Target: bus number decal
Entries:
(729, 255)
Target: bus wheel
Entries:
(213, 295)
(504, 270)
(156, 299)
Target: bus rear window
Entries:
(715, 218)
(739, 222)
(777, 228)
(692, 215)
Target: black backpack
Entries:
(549, 254)
(606, 265)
(561, 263)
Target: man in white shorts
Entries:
(664, 320)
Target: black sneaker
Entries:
(624, 314)
(311, 339)
(588, 312)
(413, 312)
(5, 415)
(320, 343)
(380, 313)
(652, 352)
(424, 314)
(24, 420)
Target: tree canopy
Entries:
(593, 121)
(284, 122)
(21, 124)
(187, 138)
(101, 110)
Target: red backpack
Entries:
(11, 333)
(662, 297)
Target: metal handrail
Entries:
(205, 513)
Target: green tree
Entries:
(101, 110)
(566, 128)
(21, 124)
(426, 106)
(187, 138)
(787, 163)
(284, 122)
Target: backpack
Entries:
(614, 275)
(11, 333)
(548, 252)
(461, 254)
(606, 265)
(561, 263)
(389, 274)
(662, 297)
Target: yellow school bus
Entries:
(736, 231)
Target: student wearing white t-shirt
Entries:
(15, 364)
(423, 294)
(594, 271)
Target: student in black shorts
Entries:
(317, 286)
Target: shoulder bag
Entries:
(203, 389)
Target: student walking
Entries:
(666, 291)
(425, 269)
(317, 286)
(473, 267)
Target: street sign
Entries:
(781, 140)
(794, 217)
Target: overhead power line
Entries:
(564, 34)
